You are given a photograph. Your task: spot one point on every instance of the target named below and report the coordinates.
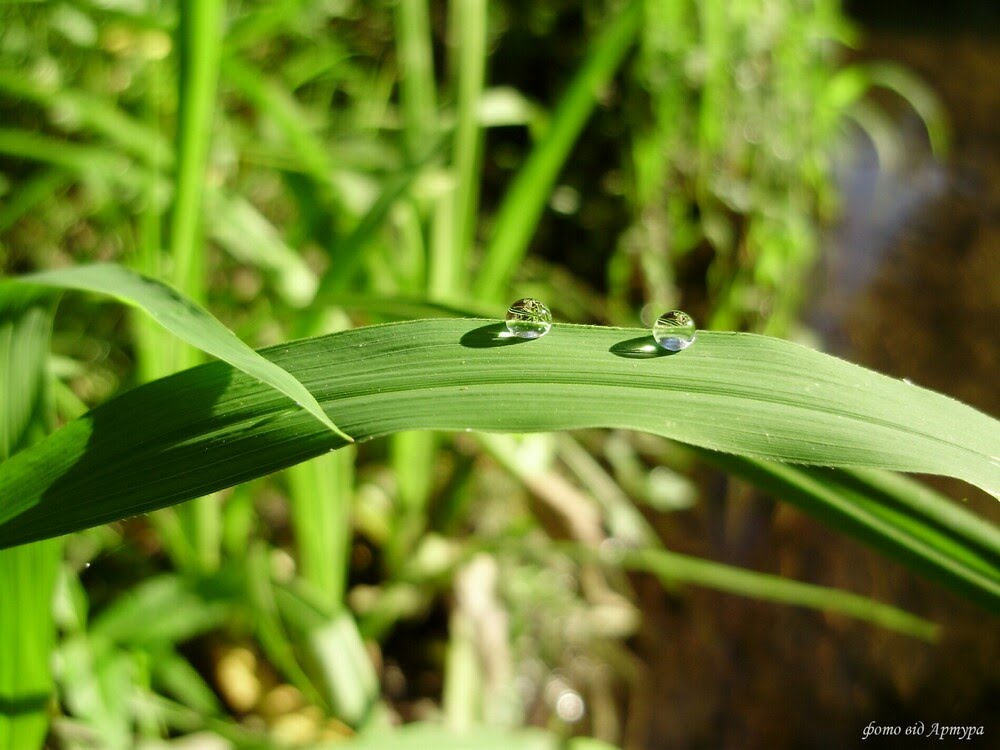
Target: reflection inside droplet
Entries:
(528, 318)
(674, 330)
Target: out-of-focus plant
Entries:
(734, 152)
(303, 166)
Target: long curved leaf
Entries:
(900, 518)
(212, 426)
(184, 319)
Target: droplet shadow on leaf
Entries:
(643, 347)
(488, 336)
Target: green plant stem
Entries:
(412, 457)
(82, 160)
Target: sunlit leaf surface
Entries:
(182, 317)
(213, 426)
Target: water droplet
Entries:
(674, 330)
(528, 319)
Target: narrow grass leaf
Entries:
(211, 426)
(523, 204)
(199, 38)
(335, 651)
(321, 494)
(175, 676)
(643, 550)
(184, 609)
(919, 528)
(27, 573)
(185, 319)
(671, 568)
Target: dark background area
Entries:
(909, 284)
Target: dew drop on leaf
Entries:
(674, 330)
(528, 318)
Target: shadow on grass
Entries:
(643, 347)
(489, 336)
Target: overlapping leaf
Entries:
(183, 318)
(213, 426)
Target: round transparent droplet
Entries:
(674, 330)
(528, 318)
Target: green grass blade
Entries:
(200, 40)
(919, 96)
(346, 254)
(92, 161)
(921, 500)
(945, 542)
(271, 632)
(248, 236)
(468, 19)
(336, 653)
(416, 79)
(27, 573)
(672, 568)
(27, 636)
(522, 206)
(174, 675)
(738, 393)
(183, 318)
(321, 493)
(92, 112)
(25, 328)
(272, 98)
(30, 194)
(184, 609)
(212, 427)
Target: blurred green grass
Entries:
(302, 167)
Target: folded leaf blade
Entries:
(212, 426)
(185, 319)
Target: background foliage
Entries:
(302, 167)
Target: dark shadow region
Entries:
(643, 347)
(489, 336)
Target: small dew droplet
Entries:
(528, 319)
(674, 330)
